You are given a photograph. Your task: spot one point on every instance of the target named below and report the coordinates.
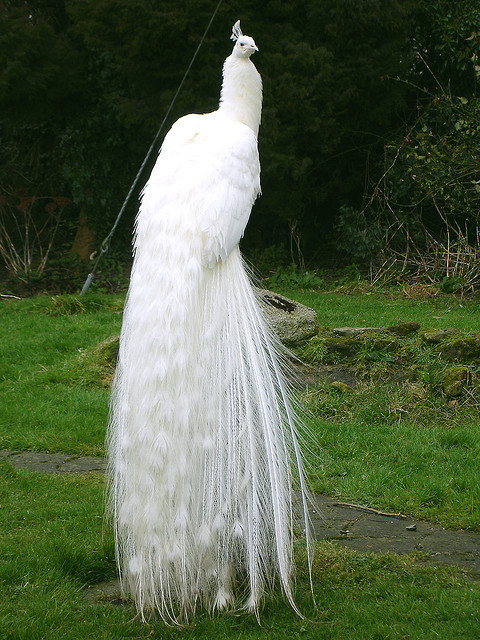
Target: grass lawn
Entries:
(404, 447)
(371, 307)
(53, 546)
(40, 411)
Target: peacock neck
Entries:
(241, 94)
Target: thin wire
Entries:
(105, 246)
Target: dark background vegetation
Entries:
(369, 140)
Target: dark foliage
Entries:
(85, 84)
(424, 212)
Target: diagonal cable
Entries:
(104, 247)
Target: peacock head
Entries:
(244, 45)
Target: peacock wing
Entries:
(232, 183)
(209, 169)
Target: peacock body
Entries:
(202, 434)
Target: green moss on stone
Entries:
(404, 328)
(466, 349)
(455, 381)
(342, 346)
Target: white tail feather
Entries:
(200, 460)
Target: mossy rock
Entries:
(356, 332)
(404, 329)
(455, 381)
(107, 351)
(294, 323)
(466, 349)
(382, 344)
(344, 347)
(102, 360)
(324, 332)
(341, 386)
(439, 335)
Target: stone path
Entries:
(53, 462)
(353, 526)
(367, 529)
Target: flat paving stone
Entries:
(353, 526)
(365, 529)
(106, 592)
(83, 464)
(53, 462)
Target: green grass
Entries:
(369, 307)
(401, 446)
(54, 545)
(396, 441)
(397, 445)
(41, 411)
(390, 446)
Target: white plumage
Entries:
(202, 434)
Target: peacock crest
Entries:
(236, 31)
